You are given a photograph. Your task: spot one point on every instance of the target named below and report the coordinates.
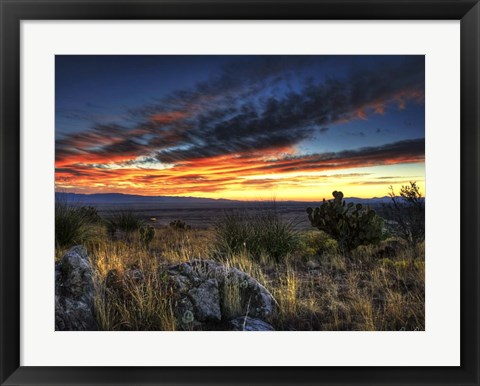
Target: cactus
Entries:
(351, 225)
(179, 224)
(147, 233)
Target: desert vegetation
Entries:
(353, 270)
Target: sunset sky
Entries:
(239, 127)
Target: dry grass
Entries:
(231, 299)
(122, 301)
(375, 288)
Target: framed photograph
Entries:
(240, 193)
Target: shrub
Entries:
(259, 232)
(320, 243)
(125, 221)
(179, 225)
(147, 233)
(72, 225)
(351, 225)
(90, 213)
(408, 212)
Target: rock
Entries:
(200, 287)
(134, 275)
(206, 301)
(250, 324)
(74, 292)
(257, 300)
(207, 295)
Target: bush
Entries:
(147, 233)
(351, 225)
(320, 243)
(179, 225)
(125, 221)
(72, 225)
(90, 213)
(259, 232)
(408, 212)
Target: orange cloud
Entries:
(168, 117)
(221, 175)
(379, 105)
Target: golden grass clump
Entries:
(132, 292)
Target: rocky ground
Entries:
(200, 289)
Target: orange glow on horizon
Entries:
(238, 176)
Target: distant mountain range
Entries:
(120, 198)
(373, 200)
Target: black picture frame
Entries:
(13, 11)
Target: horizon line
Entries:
(229, 199)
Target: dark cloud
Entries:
(238, 79)
(72, 172)
(289, 119)
(233, 113)
(100, 136)
(127, 146)
(377, 182)
(398, 152)
(237, 143)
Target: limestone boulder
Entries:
(74, 292)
